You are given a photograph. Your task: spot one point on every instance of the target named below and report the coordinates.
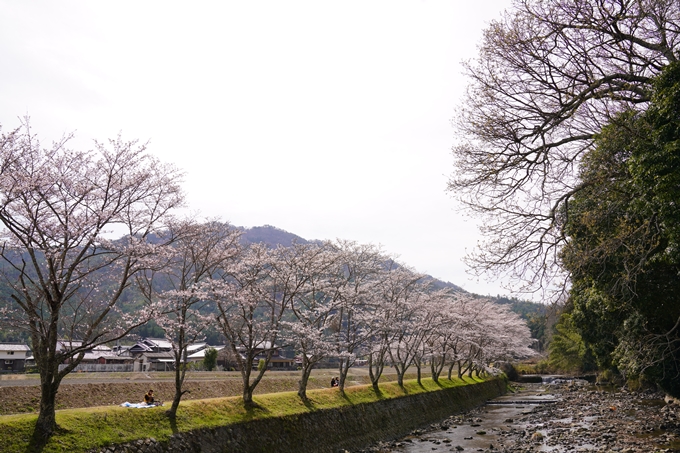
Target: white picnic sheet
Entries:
(137, 405)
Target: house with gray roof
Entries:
(13, 357)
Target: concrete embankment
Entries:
(349, 427)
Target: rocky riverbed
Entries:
(562, 417)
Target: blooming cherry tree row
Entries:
(64, 277)
(346, 301)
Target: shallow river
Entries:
(483, 430)
(554, 419)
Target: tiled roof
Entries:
(14, 347)
(157, 355)
(159, 342)
(196, 347)
(107, 356)
(201, 354)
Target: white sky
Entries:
(326, 119)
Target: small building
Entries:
(278, 361)
(150, 345)
(199, 355)
(100, 358)
(13, 357)
(155, 361)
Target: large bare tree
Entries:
(549, 75)
(58, 210)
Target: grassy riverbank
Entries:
(83, 429)
(21, 393)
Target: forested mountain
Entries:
(273, 236)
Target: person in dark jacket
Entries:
(148, 398)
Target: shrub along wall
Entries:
(349, 427)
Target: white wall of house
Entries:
(12, 355)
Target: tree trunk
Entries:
(180, 374)
(49, 386)
(375, 375)
(46, 423)
(344, 369)
(400, 375)
(247, 395)
(451, 369)
(172, 412)
(435, 371)
(249, 387)
(418, 365)
(304, 378)
(246, 368)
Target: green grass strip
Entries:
(96, 427)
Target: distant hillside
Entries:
(271, 236)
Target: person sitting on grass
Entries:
(148, 398)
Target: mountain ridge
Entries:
(273, 236)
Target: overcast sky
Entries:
(325, 119)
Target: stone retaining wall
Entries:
(322, 431)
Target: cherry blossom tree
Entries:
(408, 324)
(200, 251)
(251, 303)
(508, 336)
(361, 264)
(427, 332)
(312, 305)
(393, 288)
(494, 333)
(58, 210)
(446, 321)
(457, 333)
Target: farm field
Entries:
(20, 393)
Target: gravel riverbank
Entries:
(570, 418)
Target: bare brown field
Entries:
(21, 393)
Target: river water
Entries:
(556, 418)
(483, 430)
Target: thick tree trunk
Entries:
(451, 369)
(247, 395)
(172, 412)
(375, 375)
(46, 423)
(304, 379)
(343, 370)
(246, 368)
(248, 386)
(180, 374)
(49, 386)
(400, 375)
(437, 366)
(435, 370)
